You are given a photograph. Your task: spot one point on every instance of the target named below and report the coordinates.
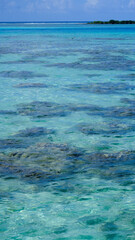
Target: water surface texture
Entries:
(67, 132)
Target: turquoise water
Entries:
(67, 110)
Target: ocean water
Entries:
(67, 132)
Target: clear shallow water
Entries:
(67, 132)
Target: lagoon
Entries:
(67, 124)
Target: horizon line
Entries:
(79, 21)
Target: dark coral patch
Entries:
(50, 161)
(102, 88)
(20, 74)
(34, 132)
(6, 50)
(92, 75)
(12, 143)
(128, 100)
(115, 112)
(104, 65)
(84, 107)
(31, 85)
(106, 129)
(110, 230)
(117, 166)
(50, 109)
(91, 220)
(43, 109)
(41, 161)
(7, 112)
(127, 77)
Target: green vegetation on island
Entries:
(113, 22)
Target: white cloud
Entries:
(131, 3)
(11, 3)
(37, 5)
(30, 7)
(40, 5)
(59, 4)
(91, 3)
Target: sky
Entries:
(66, 10)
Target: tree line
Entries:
(113, 22)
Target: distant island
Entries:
(113, 22)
